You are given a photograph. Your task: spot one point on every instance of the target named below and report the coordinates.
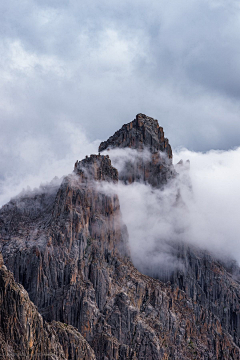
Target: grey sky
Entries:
(75, 71)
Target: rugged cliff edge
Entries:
(153, 163)
(68, 247)
(143, 131)
(25, 335)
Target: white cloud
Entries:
(68, 69)
(36, 161)
(206, 215)
(99, 65)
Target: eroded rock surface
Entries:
(25, 335)
(72, 257)
(143, 131)
(153, 165)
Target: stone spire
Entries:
(142, 132)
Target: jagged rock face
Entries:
(143, 134)
(204, 279)
(24, 333)
(73, 260)
(211, 284)
(96, 168)
(22, 214)
(57, 262)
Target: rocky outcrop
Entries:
(143, 132)
(24, 333)
(95, 168)
(153, 163)
(212, 284)
(204, 278)
(68, 247)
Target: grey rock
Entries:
(69, 249)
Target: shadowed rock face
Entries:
(73, 259)
(25, 335)
(143, 134)
(205, 279)
(95, 168)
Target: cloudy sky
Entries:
(73, 72)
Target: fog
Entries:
(71, 74)
(199, 207)
(206, 214)
(37, 161)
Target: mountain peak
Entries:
(96, 167)
(69, 248)
(143, 131)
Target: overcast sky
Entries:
(72, 72)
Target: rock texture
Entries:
(205, 279)
(142, 132)
(213, 284)
(25, 335)
(153, 164)
(68, 247)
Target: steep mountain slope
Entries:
(205, 279)
(68, 247)
(24, 334)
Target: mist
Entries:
(200, 207)
(35, 159)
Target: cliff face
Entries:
(146, 136)
(205, 279)
(55, 259)
(24, 333)
(212, 284)
(142, 132)
(68, 247)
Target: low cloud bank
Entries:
(36, 160)
(213, 209)
(200, 207)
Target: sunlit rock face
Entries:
(67, 245)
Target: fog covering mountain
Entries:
(124, 259)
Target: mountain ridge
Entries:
(72, 257)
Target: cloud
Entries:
(204, 216)
(99, 65)
(121, 157)
(35, 159)
(213, 211)
(68, 69)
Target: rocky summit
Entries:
(69, 289)
(154, 161)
